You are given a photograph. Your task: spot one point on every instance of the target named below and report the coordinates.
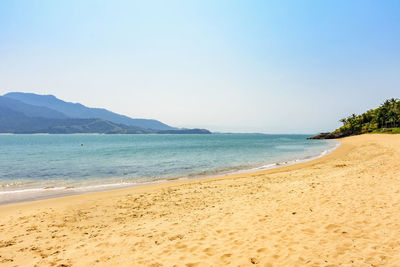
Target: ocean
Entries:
(44, 166)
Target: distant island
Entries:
(385, 119)
(28, 113)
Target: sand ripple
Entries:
(340, 210)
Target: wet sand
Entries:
(341, 209)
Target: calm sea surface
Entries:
(41, 166)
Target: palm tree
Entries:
(344, 121)
(355, 123)
(393, 101)
(384, 112)
(392, 118)
(397, 107)
(393, 115)
(387, 115)
(381, 117)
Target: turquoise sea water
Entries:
(40, 166)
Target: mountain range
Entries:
(33, 113)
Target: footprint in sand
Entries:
(209, 251)
(226, 258)
(254, 260)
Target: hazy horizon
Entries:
(228, 66)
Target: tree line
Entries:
(385, 119)
(386, 116)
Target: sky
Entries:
(230, 66)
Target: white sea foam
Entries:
(12, 191)
(289, 162)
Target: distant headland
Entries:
(385, 119)
(27, 113)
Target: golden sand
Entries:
(342, 209)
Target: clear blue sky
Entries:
(240, 66)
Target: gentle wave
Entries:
(289, 162)
(50, 191)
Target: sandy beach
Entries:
(339, 210)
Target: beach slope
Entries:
(342, 209)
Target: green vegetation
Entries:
(387, 130)
(386, 116)
(385, 119)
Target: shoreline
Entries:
(171, 183)
(53, 192)
(340, 209)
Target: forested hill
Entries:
(26, 113)
(79, 111)
(385, 119)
